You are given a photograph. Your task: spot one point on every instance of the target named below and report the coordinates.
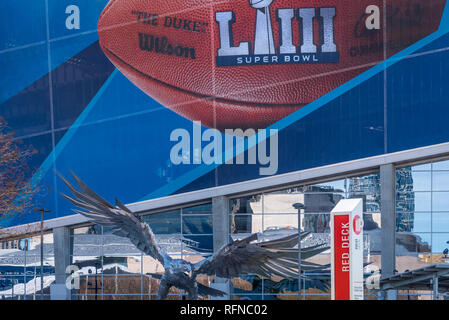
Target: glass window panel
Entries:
(168, 222)
(412, 250)
(405, 197)
(422, 200)
(116, 246)
(420, 221)
(34, 245)
(197, 224)
(242, 223)
(85, 244)
(371, 250)
(421, 181)
(440, 221)
(440, 201)
(405, 220)
(275, 225)
(442, 165)
(171, 243)
(371, 221)
(405, 208)
(368, 184)
(200, 209)
(151, 265)
(439, 245)
(322, 198)
(247, 224)
(321, 202)
(195, 244)
(422, 167)
(119, 287)
(316, 223)
(122, 265)
(338, 186)
(87, 264)
(116, 284)
(20, 267)
(12, 271)
(245, 204)
(92, 229)
(408, 242)
(440, 181)
(278, 202)
(368, 188)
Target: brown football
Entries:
(247, 64)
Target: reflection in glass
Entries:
(439, 244)
(440, 221)
(242, 223)
(368, 188)
(421, 181)
(441, 165)
(197, 224)
(111, 267)
(405, 199)
(440, 201)
(422, 167)
(425, 241)
(273, 215)
(165, 222)
(440, 181)
(413, 250)
(423, 201)
(20, 268)
(422, 222)
(199, 209)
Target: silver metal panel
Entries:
(388, 218)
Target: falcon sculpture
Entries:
(241, 257)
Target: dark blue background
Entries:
(86, 117)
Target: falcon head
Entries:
(182, 267)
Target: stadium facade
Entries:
(381, 136)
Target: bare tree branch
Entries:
(16, 193)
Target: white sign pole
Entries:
(347, 250)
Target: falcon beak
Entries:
(188, 274)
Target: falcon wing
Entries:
(123, 221)
(267, 258)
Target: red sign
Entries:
(341, 256)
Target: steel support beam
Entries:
(63, 258)
(388, 222)
(435, 287)
(220, 225)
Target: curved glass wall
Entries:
(273, 215)
(422, 219)
(111, 268)
(24, 271)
